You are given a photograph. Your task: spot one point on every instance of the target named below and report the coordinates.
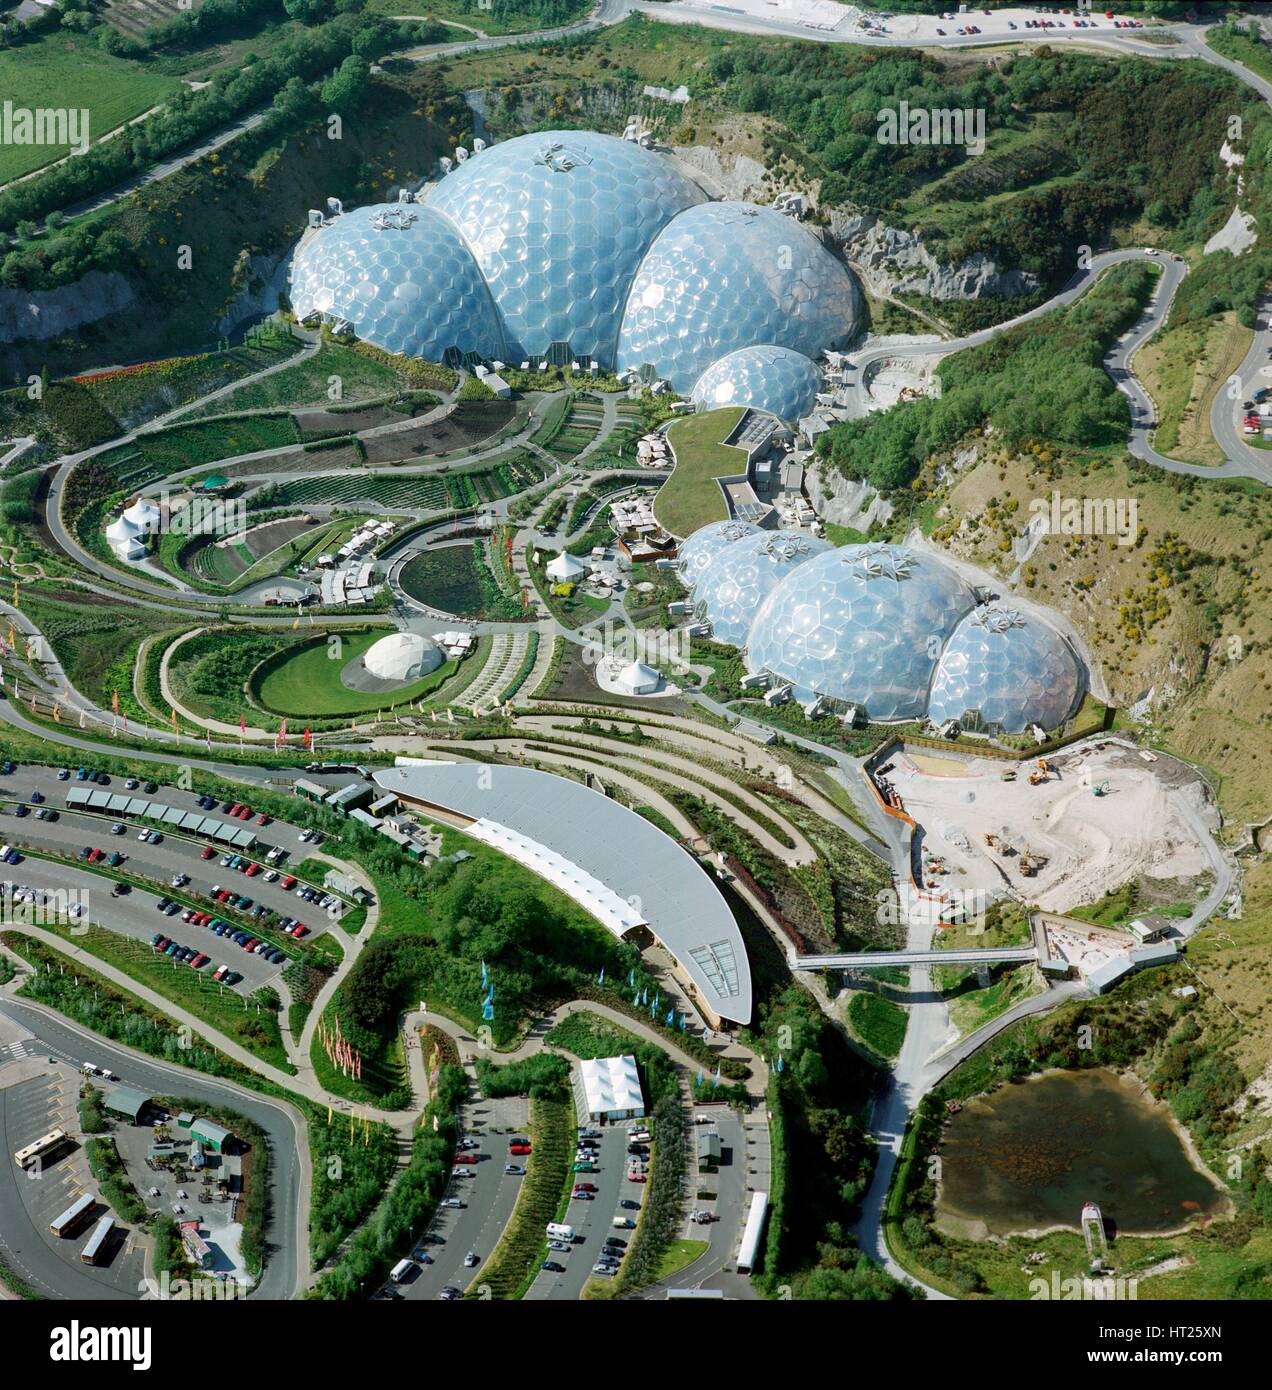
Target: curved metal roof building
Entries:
(729, 591)
(864, 624)
(404, 278)
(776, 379)
(610, 860)
(724, 276)
(558, 223)
(1005, 670)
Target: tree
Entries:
(343, 91)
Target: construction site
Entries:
(1056, 832)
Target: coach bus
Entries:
(73, 1215)
(96, 1246)
(37, 1152)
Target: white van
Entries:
(558, 1231)
(623, 1223)
(401, 1270)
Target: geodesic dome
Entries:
(402, 656)
(776, 379)
(864, 625)
(724, 276)
(729, 591)
(699, 549)
(403, 278)
(558, 223)
(1009, 669)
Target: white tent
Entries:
(143, 514)
(612, 1088)
(125, 539)
(565, 568)
(638, 679)
(402, 656)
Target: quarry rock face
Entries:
(892, 260)
(39, 314)
(844, 501)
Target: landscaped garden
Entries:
(691, 497)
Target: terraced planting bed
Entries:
(457, 489)
(467, 424)
(183, 447)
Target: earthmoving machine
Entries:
(1030, 862)
(1100, 789)
(1009, 775)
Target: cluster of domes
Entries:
(890, 630)
(575, 246)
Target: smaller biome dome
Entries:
(776, 379)
(402, 656)
(638, 679)
(566, 568)
(1005, 670)
(729, 591)
(705, 543)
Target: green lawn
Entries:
(309, 684)
(679, 1255)
(691, 497)
(878, 1022)
(308, 383)
(64, 70)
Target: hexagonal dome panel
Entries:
(558, 223)
(725, 276)
(776, 379)
(707, 541)
(738, 579)
(863, 625)
(1003, 670)
(404, 279)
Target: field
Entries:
(1182, 369)
(62, 70)
(690, 497)
(183, 447)
(468, 16)
(878, 1022)
(457, 579)
(571, 424)
(308, 682)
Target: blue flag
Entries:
(600, 979)
(715, 1080)
(781, 1065)
(631, 977)
(657, 998)
(483, 974)
(682, 1022)
(671, 1017)
(699, 1076)
(487, 1011)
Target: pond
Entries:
(1027, 1158)
(447, 578)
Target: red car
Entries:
(289, 882)
(252, 870)
(518, 1148)
(97, 854)
(208, 853)
(637, 1177)
(578, 1186)
(199, 960)
(243, 812)
(262, 819)
(467, 1159)
(236, 808)
(300, 929)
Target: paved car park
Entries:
(593, 1220)
(176, 852)
(135, 915)
(28, 1109)
(489, 1196)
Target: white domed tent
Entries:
(402, 656)
(565, 568)
(126, 539)
(638, 679)
(143, 514)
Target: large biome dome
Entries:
(728, 592)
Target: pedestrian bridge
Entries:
(879, 960)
